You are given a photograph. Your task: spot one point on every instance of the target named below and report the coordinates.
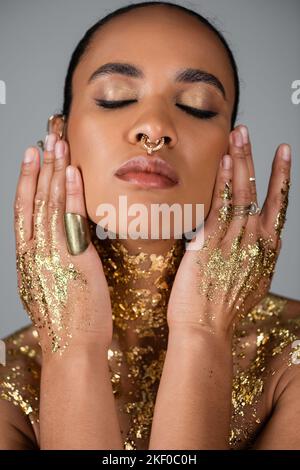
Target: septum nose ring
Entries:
(152, 146)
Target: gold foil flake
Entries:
(133, 305)
(281, 216)
(19, 222)
(11, 393)
(20, 380)
(226, 194)
(238, 273)
(144, 372)
(248, 383)
(225, 212)
(139, 286)
(270, 307)
(28, 351)
(129, 445)
(46, 284)
(140, 334)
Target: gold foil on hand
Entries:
(48, 287)
(281, 216)
(226, 211)
(238, 273)
(136, 368)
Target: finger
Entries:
(241, 194)
(75, 196)
(43, 189)
(24, 198)
(273, 214)
(219, 214)
(249, 158)
(75, 203)
(57, 195)
(217, 220)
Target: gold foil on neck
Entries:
(140, 285)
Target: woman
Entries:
(146, 343)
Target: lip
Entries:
(151, 172)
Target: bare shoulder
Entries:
(272, 325)
(19, 389)
(286, 352)
(266, 358)
(292, 308)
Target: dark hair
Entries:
(86, 40)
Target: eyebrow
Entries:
(188, 75)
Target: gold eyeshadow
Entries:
(110, 88)
(113, 92)
(201, 97)
(198, 96)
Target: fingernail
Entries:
(29, 155)
(238, 139)
(59, 149)
(244, 132)
(286, 152)
(226, 162)
(50, 142)
(70, 174)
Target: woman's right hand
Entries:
(65, 296)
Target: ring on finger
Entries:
(241, 210)
(77, 233)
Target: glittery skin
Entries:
(226, 211)
(46, 283)
(263, 334)
(20, 379)
(140, 328)
(222, 270)
(137, 352)
(281, 216)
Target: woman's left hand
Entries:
(232, 271)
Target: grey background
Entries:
(36, 42)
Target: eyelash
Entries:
(199, 113)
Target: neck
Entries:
(140, 274)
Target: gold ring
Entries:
(77, 233)
(251, 209)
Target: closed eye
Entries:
(199, 113)
(113, 104)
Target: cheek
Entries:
(88, 140)
(91, 148)
(205, 154)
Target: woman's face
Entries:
(160, 42)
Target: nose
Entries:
(155, 123)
